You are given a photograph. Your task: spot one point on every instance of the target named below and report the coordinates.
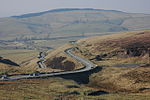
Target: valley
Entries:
(75, 54)
(115, 81)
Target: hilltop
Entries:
(60, 10)
(70, 22)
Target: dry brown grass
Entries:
(55, 88)
(25, 58)
(13, 70)
(116, 79)
(37, 89)
(133, 81)
(116, 46)
(18, 56)
(28, 60)
(59, 52)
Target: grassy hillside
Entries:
(70, 22)
(119, 83)
(19, 56)
(122, 48)
(125, 58)
(58, 59)
(57, 89)
(27, 60)
(18, 61)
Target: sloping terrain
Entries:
(114, 83)
(57, 89)
(128, 47)
(7, 61)
(126, 61)
(127, 80)
(70, 22)
(7, 66)
(58, 59)
(18, 61)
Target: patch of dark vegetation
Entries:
(108, 86)
(138, 45)
(139, 75)
(64, 95)
(97, 93)
(128, 65)
(72, 86)
(132, 50)
(143, 89)
(60, 63)
(2, 84)
(7, 61)
(137, 49)
(70, 93)
(1, 58)
(100, 57)
(145, 65)
(74, 93)
(141, 33)
(135, 46)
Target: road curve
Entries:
(87, 67)
(41, 63)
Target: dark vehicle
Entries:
(4, 77)
(35, 74)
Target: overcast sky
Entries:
(17, 7)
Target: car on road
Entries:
(4, 77)
(35, 74)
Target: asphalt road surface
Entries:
(87, 67)
(42, 60)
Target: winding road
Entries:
(41, 63)
(87, 67)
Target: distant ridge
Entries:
(70, 22)
(60, 10)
